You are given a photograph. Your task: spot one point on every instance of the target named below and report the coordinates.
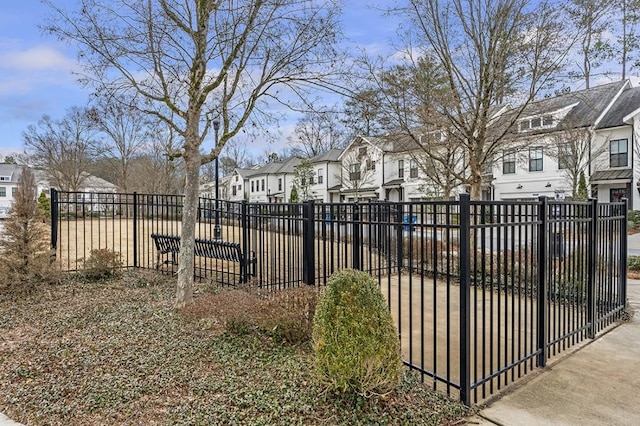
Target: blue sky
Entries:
(36, 70)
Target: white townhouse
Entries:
(327, 171)
(271, 183)
(388, 168)
(592, 129)
(361, 170)
(10, 175)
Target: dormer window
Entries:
(536, 122)
(547, 120)
(525, 125)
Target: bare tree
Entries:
(357, 173)
(157, 171)
(590, 18)
(572, 148)
(126, 129)
(489, 51)
(442, 163)
(411, 97)
(193, 57)
(234, 154)
(317, 132)
(63, 148)
(303, 179)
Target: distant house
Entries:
(10, 176)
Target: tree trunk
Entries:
(184, 291)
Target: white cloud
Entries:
(37, 58)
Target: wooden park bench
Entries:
(212, 249)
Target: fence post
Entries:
(592, 270)
(542, 320)
(308, 248)
(244, 229)
(356, 228)
(54, 220)
(623, 254)
(465, 303)
(135, 229)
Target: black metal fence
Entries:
(482, 292)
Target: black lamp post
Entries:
(217, 232)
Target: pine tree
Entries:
(44, 204)
(582, 193)
(293, 198)
(24, 251)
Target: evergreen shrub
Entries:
(356, 345)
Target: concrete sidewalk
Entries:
(597, 385)
(633, 245)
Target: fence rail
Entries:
(482, 292)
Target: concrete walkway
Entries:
(597, 385)
(633, 245)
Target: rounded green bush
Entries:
(356, 344)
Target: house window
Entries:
(617, 194)
(401, 169)
(320, 176)
(233, 190)
(371, 165)
(525, 125)
(547, 120)
(262, 185)
(3, 191)
(618, 153)
(252, 183)
(509, 162)
(279, 184)
(535, 159)
(413, 169)
(536, 122)
(236, 178)
(14, 191)
(362, 150)
(354, 171)
(564, 158)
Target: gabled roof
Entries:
(14, 171)
(586, 106)
(627, 103)
(329, 156)
(373, 141)
(279, 167)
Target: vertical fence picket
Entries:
(623, 255)
(135, 229)
(308, 248)
(591, 276)
(54, 220)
